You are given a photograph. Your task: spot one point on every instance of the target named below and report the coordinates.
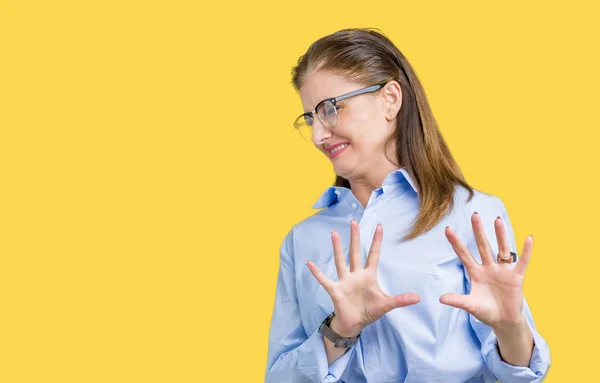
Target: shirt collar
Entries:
(334, 194)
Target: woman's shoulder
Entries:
(307, 228)
(465, 204)
(480, 202)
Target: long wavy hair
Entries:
(366, 56)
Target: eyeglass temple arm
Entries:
(360, 91)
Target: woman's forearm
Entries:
(515, 344)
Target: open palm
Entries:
(357, 298)
(496, 296)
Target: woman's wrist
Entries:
(515, 343)
(345, 332)
(512, 329)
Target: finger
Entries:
(460, 301)
(503, 245)
(461, 250)
(400, 300)
(327, 283)
(338, 255)
(355, 258)
(521, 266)
(485, 252)
(375, 251)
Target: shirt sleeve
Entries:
(490, 207)
(294, 356)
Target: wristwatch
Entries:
(336, 339)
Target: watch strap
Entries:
(337, 340)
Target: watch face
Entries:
(328, 320)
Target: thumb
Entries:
(400, 300)
(460, 301)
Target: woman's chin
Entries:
(341, 170)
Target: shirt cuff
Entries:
(534, 373)
(338, 367)
(312, 360)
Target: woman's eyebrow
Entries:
(308, 111)
(326, 98)
(314, 107)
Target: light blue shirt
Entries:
(425, 342)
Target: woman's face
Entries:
(364, 123)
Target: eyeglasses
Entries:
(326, 111)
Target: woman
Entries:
(439, 297)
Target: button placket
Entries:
(367, 227)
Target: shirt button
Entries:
(337, 192)
(354, 205)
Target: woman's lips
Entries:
(337, 152)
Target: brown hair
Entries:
(366, 56)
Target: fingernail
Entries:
(498, 217)
(475, 213)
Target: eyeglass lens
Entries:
(327, 114)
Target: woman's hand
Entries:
(496, 296)
(357, 298)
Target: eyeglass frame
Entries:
(334, 100)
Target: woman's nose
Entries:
(319, 132)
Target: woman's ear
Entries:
(392, 99)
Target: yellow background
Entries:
(149, 170)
